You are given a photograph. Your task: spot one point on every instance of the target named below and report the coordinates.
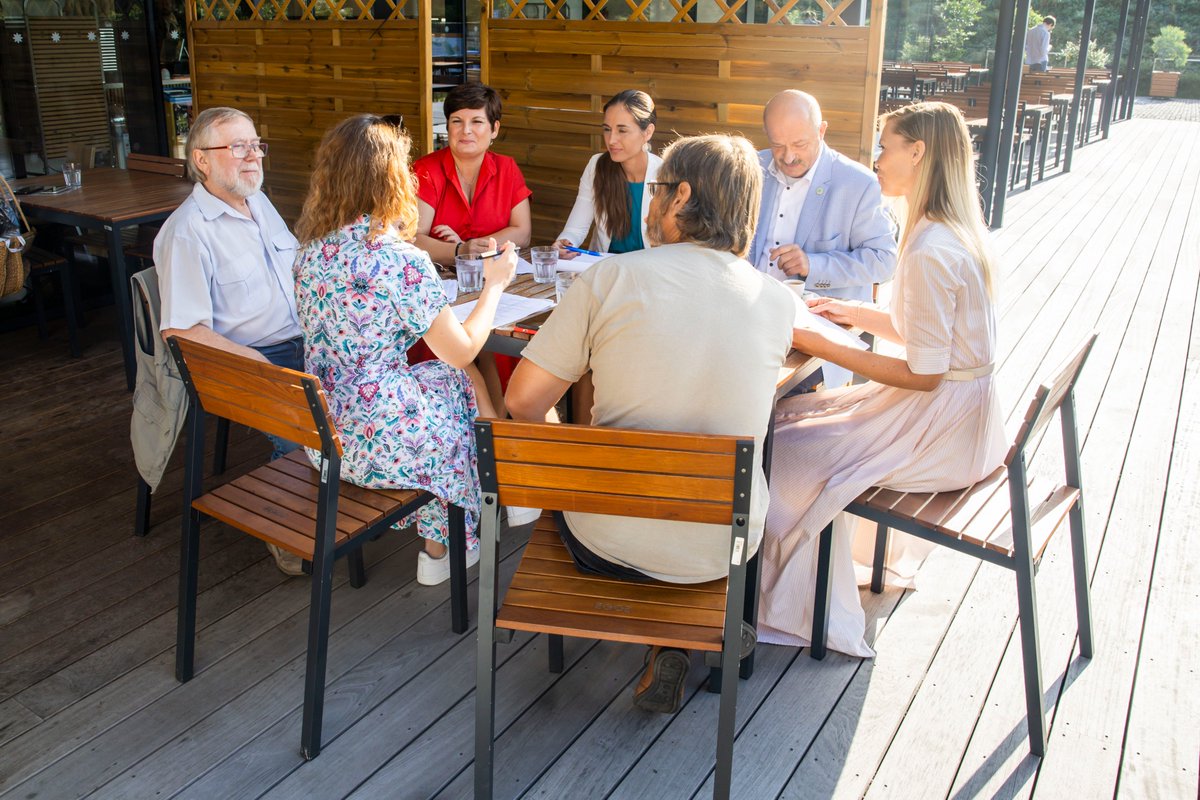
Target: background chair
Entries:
(310, 513)
(647, 474)
(1005, 519)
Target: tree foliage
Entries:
(1170, 46)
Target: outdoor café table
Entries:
(110, 200)
(1062, 108)
(1035, 117)
(1102, 88)
(956, 81)
(976, 75)
(925, 86)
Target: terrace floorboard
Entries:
(89, 706)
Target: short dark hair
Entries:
(1049, 19)
(726, 183)
(473, 95)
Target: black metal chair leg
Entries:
(555, 650)
(881, 540)
(189, 569)
(141, 518)
(318, 651)
(1083, 592)
(821, 602)
(485, 660)
(358, 568)
(1034, 705)
(39, 307)
(70, 313)
(221, 446)
(459, 616)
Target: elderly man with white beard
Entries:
(224, 258)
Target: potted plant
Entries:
(1170, 48)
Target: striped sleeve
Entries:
(931, 289)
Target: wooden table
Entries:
(110, 200)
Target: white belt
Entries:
(968, 374)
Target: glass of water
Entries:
(72, 175)
(562, 282)
(545, 263)
(469, 271)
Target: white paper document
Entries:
(807, 320)
(524, 267)
(512, 308)
(450, 286)
(580, 262)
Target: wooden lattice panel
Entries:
(70, 82)
(555, 76)
(298, 10)
(298, 79)
(734, 12)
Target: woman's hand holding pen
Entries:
(499, 268)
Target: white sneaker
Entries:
(519, 515)
(432, 571)
(288, 563)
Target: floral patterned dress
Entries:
(362, 304)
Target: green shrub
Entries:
(1170, 47)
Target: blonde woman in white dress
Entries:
(927, 421)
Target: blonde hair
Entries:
(361, 168)
(945, 188)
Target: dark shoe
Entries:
(661, 686)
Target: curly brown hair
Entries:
(361, 168)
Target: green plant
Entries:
(1171, 47)
(1097, 56)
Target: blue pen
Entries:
(581, 251)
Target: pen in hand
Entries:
(581, 251)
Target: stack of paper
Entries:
(580, 262)
(806, 320)
(512, 309)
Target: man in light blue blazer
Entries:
(821, 220)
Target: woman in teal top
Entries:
(612, 190)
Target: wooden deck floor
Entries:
(89, 705)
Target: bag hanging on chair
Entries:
(17, 237)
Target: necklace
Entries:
(468, 186)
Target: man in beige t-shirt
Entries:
(686, 336)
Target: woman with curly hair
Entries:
(364, 295)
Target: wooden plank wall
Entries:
(555, 76)
(297, 78)
(69, 81)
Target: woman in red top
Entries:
(467, 194)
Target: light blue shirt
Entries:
(1037, 45)
(233, 273)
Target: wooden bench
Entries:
(1006, 519)
(644, 474)
(308, 512)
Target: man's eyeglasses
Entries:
(655, 186)
(241, 149)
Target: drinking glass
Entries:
(545, 263)
(469, 271)
(562, 281)
(72, 175)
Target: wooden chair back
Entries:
(632, 473)
(163, 165)
(259, 395)
(1049, 397)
